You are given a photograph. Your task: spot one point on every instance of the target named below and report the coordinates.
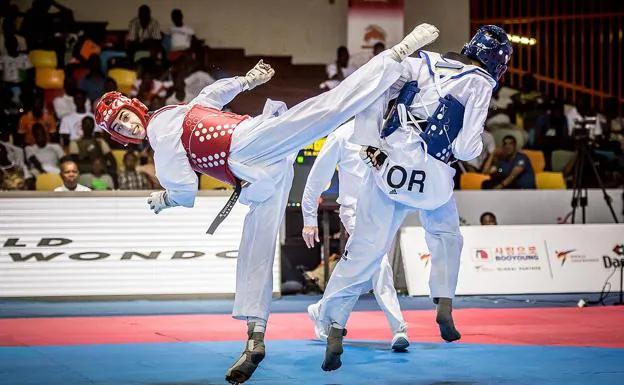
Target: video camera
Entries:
(583, 129)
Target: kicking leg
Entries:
(445, 242)
(254, 276)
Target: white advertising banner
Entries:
(370, 22)
(528, 207)
(101, 246)
(523, 259)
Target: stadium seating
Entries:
(43, 59)
(48, 182)
(49, 78)
(125, 79)
(537, 159)
(550, 181)
(119, 155)
(472, 180)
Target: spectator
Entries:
(88, 148)
(97, 179)
(552, 131)
(580, 112)
(195, 77)
(489, 146)
(488, 219)
(9, 29)
(45, 30)
(147, 88)
(11, 175)
(71, 124)
(10, 113)
(131, 179)
(16, 156)
(143, 31)
(378, 48)
(613, 126)
(65, 105)
(13, 63)
(340, 69)
(110, 85)
(179, 95)
(94, 81)
(512, 169)
(36, 115)
(182, 36)
(69, 175)
(43, 156)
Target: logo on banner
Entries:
(610, 262)
(508, 258)
(572, 257)
(424, 258)
(50, 249)
(482, 259)
(374, 34)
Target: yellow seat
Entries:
(550, 181)
(49, 78)
(209, 183)
(48, 182)
(119, 155)
(124, 78)
(43, 59)
(536, 157)
(472, 180)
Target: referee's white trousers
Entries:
(378, 220)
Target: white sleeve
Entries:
(66, 127)
(332, 70)
(318, 179)
(468, 144)
(174, 172)
(219, 93)
(59, 150)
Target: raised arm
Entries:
(223, 91)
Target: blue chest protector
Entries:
(443, 127)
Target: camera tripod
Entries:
(579, 192)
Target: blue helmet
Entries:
(490, 47)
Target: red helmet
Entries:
(109, 106)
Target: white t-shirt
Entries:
(196, 82)
(174, 100)
(72, 125)
(49, 156)
(181, 37)
(158, 88)
(11, 66)
(64, 105)
(79, 188)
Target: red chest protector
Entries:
(206, 137)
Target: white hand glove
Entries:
(158, 201)
(424, 34)
(258, 75)
(310, 234)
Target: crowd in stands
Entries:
(53, 70)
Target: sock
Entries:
(259, 324)
(336, 325)
(445, 307)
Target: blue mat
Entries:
(298, 362)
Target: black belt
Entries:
(225, 211)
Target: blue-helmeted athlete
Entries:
(437, 118)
